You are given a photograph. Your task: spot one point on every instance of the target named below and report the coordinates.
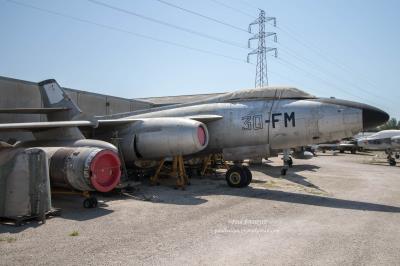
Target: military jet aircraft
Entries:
(385, 140)
(240, 125)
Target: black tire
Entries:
(236, 177)
(87, 203)
(397, 156)
(323, 151)
(392, 162)
(353, 151)
(283, 171)
(249, 175)
(341, 151)
(94, 202)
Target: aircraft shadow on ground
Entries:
(336, 153)
(194, 196)
(275, 171)
(381, 163)
(72, 208)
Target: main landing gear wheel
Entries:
(90, 203)
(238, 176)
(249, 175)
(397, 156)
(392, 162)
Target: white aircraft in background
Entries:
(386, 140)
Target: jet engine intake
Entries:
(165, 137)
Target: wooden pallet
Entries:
(20, 220)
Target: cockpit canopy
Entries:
(267, 93)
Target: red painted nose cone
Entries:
(106, 171)
(201, 135)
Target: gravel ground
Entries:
(333, 209)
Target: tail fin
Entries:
(54, 96)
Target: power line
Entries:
(105, 26)
(248, 4)
(346, 69)
(148, 37)
(330, 84)
(202, 16)
(233, 8)
(204, 35)
(318, 52)
(321, 69)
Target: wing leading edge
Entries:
(32, 126)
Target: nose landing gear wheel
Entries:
(397, 156)
(283, 171)
(392, 162)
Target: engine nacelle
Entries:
(156, 138)
(84, 168)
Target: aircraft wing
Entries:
(32, 126)
(116, 122)
(205, 118)
(123, 121)
(32, 110)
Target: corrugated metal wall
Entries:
(19, 93)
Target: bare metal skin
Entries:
(241, 125)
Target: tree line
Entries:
(391, 124)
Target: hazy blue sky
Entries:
(343, 48)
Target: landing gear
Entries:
(249, 175)
(287, 161)
(238, 176)
(290, 162)
(391, 160)
(90, 203)
(397, 156)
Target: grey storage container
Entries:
(24, 184)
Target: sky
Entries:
(346, 49)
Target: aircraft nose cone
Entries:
(373, 117)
